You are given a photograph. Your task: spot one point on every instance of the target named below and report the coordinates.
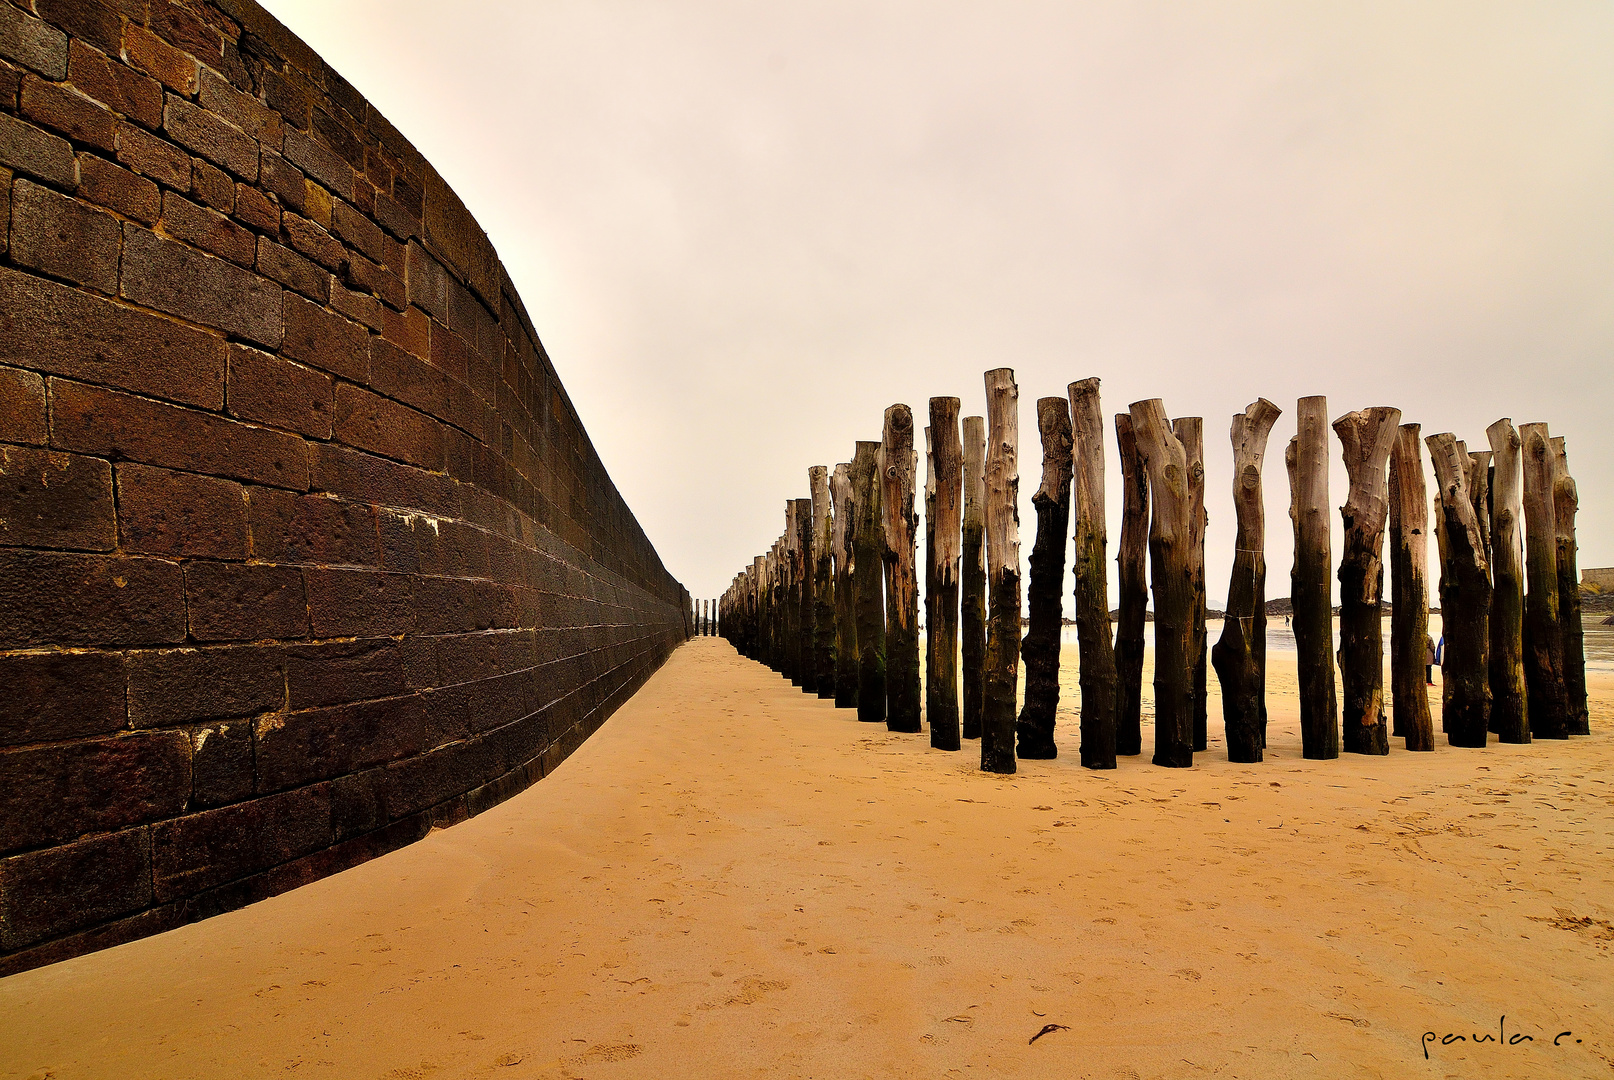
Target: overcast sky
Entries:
(745, 229)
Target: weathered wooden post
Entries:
(770, 608)
(823, 584)
(972, 577)
(1479, 490)
(1409, 591)
(898, 468)
(806, 661)
(1309, 592)
(1543, 629)
(1510, 718)
(1366, 437)
(1002, 661)
(867, 569)
(791, 581)
(1190, 431)
(1566, 501)
(1095, 651)
(759, 572)
(1465, 605)
(1171, 565)
(1132, 579)
(846, 655)
(1238, 656)
(943, 630)
(1039, 650)
(930, 584)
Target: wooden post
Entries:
(1309, 592)
(1409, 592)
(1543, 629)
(1132, 579)
(792, 597)
(1190, 431)
(1366, 436)
(1002, 661)
(771, 615)
(823, 584)
(930, 584)
(1479, 490)
(972, 577)
(754, 614)
(943, 630)
(1171, 563)
(1509, 716)
(1465, 607)
(1566, 501)
(1239, 660)
(898, 468)
(806, 661)
(867, 544)
(1095, 651)
(1045, 592)
(846, 657)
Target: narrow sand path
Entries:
(731, 879)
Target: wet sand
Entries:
(731, 879)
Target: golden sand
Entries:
(731, 879)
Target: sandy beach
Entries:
(731, 879)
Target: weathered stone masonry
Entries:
(303, 548)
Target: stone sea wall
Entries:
(303, 549)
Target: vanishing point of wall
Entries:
(303, 548)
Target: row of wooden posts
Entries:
(815, 607)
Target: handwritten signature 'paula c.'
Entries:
(1501, 1038)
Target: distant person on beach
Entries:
(1440, 654)
(1429, 659)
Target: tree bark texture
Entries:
(846, 655)
(867, 569)
(1002, 661)
(1091, 597)
(1566, 502)
(1190, 431)
(1239, 662)
(898, 468)
(806, 660)
(1045, 591)
(1366, 436)
(972, 577)
(1543, 629)
(1510, 717)
(1171, 564)
(823, 583)
(1133, 582)
(1409, 592)
(1465, 600)
(947, 509)
(1309, 592)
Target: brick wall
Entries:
(303, 548)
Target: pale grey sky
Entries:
(745, 229)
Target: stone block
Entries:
(60, 236)
(266, 389)
(325, 340)
(358, 306)
(220, 142)
(62, 331)
(358, 230)
(151, 156)
(22, 407)
(182, 514)
(402, 375)
(212, 186)
(245, 602)
(338, 672)
(292, 270)
(208, 229)
(199, 851)
(85, 20)
(62, 109)
(33, 43)
(366, 276)
(315, 744)
(119, 88)
(185, 31)
(36, 153)
(106, 184)
(47, 893)
(410, 329)
(50, 499)
(62, 598)
(320, 162)
(168, 65)
(344, 603)
(319, 529)
(107, 423)
(247, 113)
(363, 476)
(254, 208)
(311, 239)
(221, 763)
(200, 288)
(53, 696)
(377, 424)
(185, 686)
(62, 791)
